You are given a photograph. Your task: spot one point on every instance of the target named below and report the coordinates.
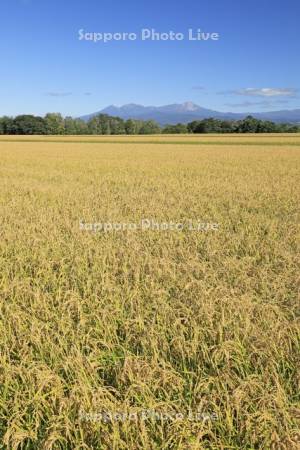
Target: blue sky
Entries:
(254, 66)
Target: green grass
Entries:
(155, 142)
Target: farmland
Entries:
(149, 339)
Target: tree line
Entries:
(103, 124)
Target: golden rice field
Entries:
(146, 338)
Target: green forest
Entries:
(103, 124)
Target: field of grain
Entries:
(149, 339)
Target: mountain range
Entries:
(189, 111)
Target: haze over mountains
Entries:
(189, 111)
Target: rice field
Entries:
(149, 338)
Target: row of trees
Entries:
(247, 125)
(55, 124)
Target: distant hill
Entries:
(189, 111)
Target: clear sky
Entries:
(254, 66)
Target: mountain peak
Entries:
(187, 112)
(190, 106)
(131, 106)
